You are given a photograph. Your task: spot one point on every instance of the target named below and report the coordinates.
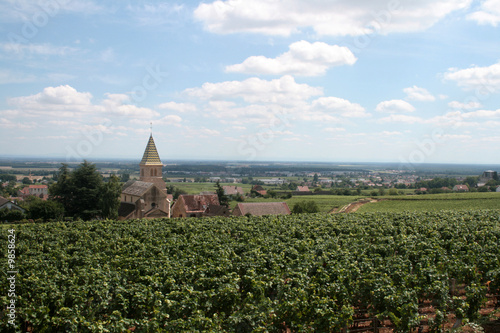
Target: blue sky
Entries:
(324, 80)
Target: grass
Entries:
(434, 202)
(325, 202)
(394, 203)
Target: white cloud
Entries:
(115, 105)
(65, 101)
(303, 58)
(334, 129)
(485, 79)
(394, 106)
(8, 76)
(37, 49)
(155, 14)
(254, 90)
(5, 123)
(339, 106)
(29, 10)
(325, 17)
(390, 134)
(464, 106)
(61, 101)
(179, 107)
(482, 114)
(489, 13)
(402, 118)
(418, 94)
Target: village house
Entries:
(259, 190)
(233, 190)
(461, 188)
(41, 191)
(197, 205)
(261, 208)
(7, 204)
(302, 189)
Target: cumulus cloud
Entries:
(116, 105)
(333, 17)
(402, 118)
(488, 13)
(339, 106)
(65, 101)
(179, 107)
(254, 90)
(303, 58)
(61, 101)
(395, 106)
(418, 94)
(485, 79)
(464, 106)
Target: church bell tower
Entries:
(151, 166)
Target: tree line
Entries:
(79, 194)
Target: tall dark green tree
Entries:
(45, 209)
(84, 194)
(110, 200)
(223, 199)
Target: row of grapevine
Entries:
(306, 273)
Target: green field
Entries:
(434, 202)
(296, 273)
(325, 202)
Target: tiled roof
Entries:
(197, 202)
(3, 201)
(232, 190)
(264, 208)
(217, 210)
(38, 186)
(151, 156)
(136, 187)
(125, 209)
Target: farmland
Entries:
(435, 202)
(305, 273)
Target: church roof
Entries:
(151, 156)
(136, 187)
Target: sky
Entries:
(401, 81)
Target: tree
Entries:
(83, 193)
(11, 215)
(45, 210)
(315, 178)
(223, 200)
(26, 181)
(110, 197)
(125, 177)
(305, 206)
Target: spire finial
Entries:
(151, 127)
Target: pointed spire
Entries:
(151, 156)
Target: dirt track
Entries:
(354, 206)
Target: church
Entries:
(146, 197)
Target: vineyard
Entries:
(404, 272)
